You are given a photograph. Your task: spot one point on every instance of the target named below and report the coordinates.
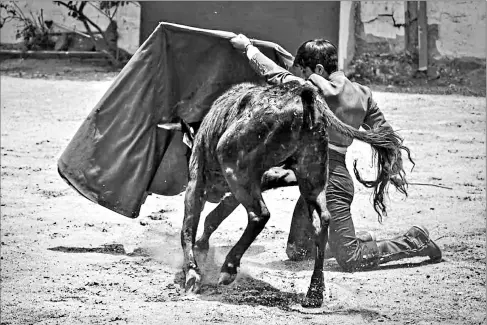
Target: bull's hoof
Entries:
(193, 281)
(226, 278)
(312, 302)
(313, 299)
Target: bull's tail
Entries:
(386, 147)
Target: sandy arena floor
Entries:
(65, 260)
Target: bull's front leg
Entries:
(213, 221)
(193, 205)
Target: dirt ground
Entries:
(65, 260)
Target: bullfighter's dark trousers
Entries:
(352, 252)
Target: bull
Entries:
(252, 128)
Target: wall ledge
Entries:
(15, 54)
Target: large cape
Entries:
(118, 155)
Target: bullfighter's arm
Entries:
(273, 73)
(374, 117)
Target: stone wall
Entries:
(379, 26)
(456, 46)
(127, 17)
(456, 29)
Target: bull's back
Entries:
(223, 113)
(265, 136)
(252, 126)
(267, 129)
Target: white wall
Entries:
(376, 23)
(461, 24)
(461, 27)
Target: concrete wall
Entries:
(288, 23)
(461, 27)
(346, 42)
(127, 17)
(456, 29)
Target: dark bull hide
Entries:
(252, 128)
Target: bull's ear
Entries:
(188, 140)
(188, 129)
(188, 133)
(185, 126)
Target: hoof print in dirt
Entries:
(158, 215)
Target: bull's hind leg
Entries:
(249, 194)
(312, 174)
(193, 205)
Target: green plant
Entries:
(34, 31)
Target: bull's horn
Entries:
(170, 126)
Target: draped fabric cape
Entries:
(118, 155)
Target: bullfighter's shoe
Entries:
(415, 242)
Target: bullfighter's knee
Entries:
(278, 177)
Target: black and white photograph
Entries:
(243, 162)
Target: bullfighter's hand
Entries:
(240, 42)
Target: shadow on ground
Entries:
(248, 288)
(111, 249)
